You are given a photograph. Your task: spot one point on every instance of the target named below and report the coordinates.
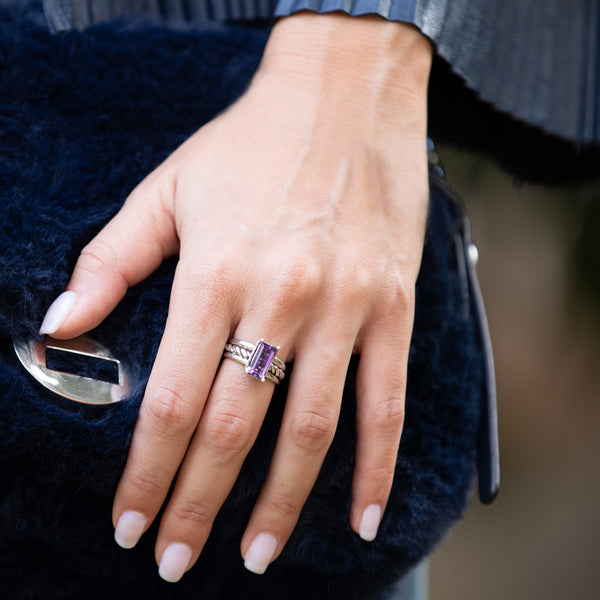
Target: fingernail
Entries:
(369, 523)
(129, 529)
(174, 562)
(261, 553)
(58, 312)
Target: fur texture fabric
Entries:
(83, 118)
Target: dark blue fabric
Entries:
(83, 117)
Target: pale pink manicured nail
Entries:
(261, 552)
(369, 523)
(58, 312)
(129, 529)
(174, 562)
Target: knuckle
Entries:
(215, 283)
(297, 282)
(399, 293)
(228, 432)
(142, 483)
(379, 478)
(97, 256)
(387, 416)
(357, 283)
(168, 409)
(312, 430)
(283, 506)
(188, 509)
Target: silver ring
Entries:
(259, 359)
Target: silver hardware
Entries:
(473, 254)
(33, 354)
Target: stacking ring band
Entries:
(259, 359)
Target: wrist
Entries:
(366, 63)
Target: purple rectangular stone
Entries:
(260, 360)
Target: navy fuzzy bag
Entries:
(83, 118)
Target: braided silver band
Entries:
(259, 359)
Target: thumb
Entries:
(129, 248)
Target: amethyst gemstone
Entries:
(260, 360)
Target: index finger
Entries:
(185, 366)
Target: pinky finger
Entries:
(380, 417)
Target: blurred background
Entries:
(539, 270)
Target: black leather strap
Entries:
(488, 443)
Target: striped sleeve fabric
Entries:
(535, 60)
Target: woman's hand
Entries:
(298, 216)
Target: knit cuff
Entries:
(392, 10)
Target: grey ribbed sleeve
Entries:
(69, 14)
(393, 10)
(537, 60)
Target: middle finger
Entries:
(232, 418)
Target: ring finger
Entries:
(308, 427)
